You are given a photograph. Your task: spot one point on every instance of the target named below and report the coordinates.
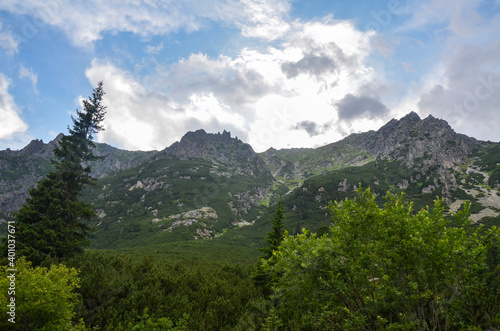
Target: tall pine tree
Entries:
(53, 221)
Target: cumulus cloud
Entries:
(313, 128)
(141, 119)
(235, 81)
(264, 96)
(12, 124)
(315, 65)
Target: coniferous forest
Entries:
(381, 262)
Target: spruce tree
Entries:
(274, 238)
(53, 221)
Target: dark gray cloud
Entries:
(351, 107)
(311, 64)
(236, 87)
(312, 128)
(319, 60)
(469, 94)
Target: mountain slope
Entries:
(208, 186)
(196, 188)
(21, 170)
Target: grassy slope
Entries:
(181, 186)
(305, 206)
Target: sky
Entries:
(277, 73)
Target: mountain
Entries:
(221, 149)
(20, 170)
(214, 186)
(197, 188)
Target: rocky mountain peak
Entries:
(201, 137)
(38, 147)
(401, 126)
(219, 148)
(421, 145)
(33, 147)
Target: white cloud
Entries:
(8, 42)
(28, 73)
(140, 119)
(12, 127)
(256, 18)
(261, 96)
(264, 19)
(150, 49)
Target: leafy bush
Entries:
(45, 298)
(388, 268)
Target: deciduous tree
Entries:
(387, 268)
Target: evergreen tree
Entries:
(52, 221)
(274, 238)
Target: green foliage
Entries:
(494, 180)
(488, 156)
(15, 168)
(307, 206)
(173, 187)
(273, 238)
(388, 268)
(122, 292)
(45, 299)
(52, 221)
(160, 324)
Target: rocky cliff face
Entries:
(429, 146)
(411, 138)
(218, 148)
(20, 170)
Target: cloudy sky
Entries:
(277, 73)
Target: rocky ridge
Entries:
(219, 148)
(220, 172)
